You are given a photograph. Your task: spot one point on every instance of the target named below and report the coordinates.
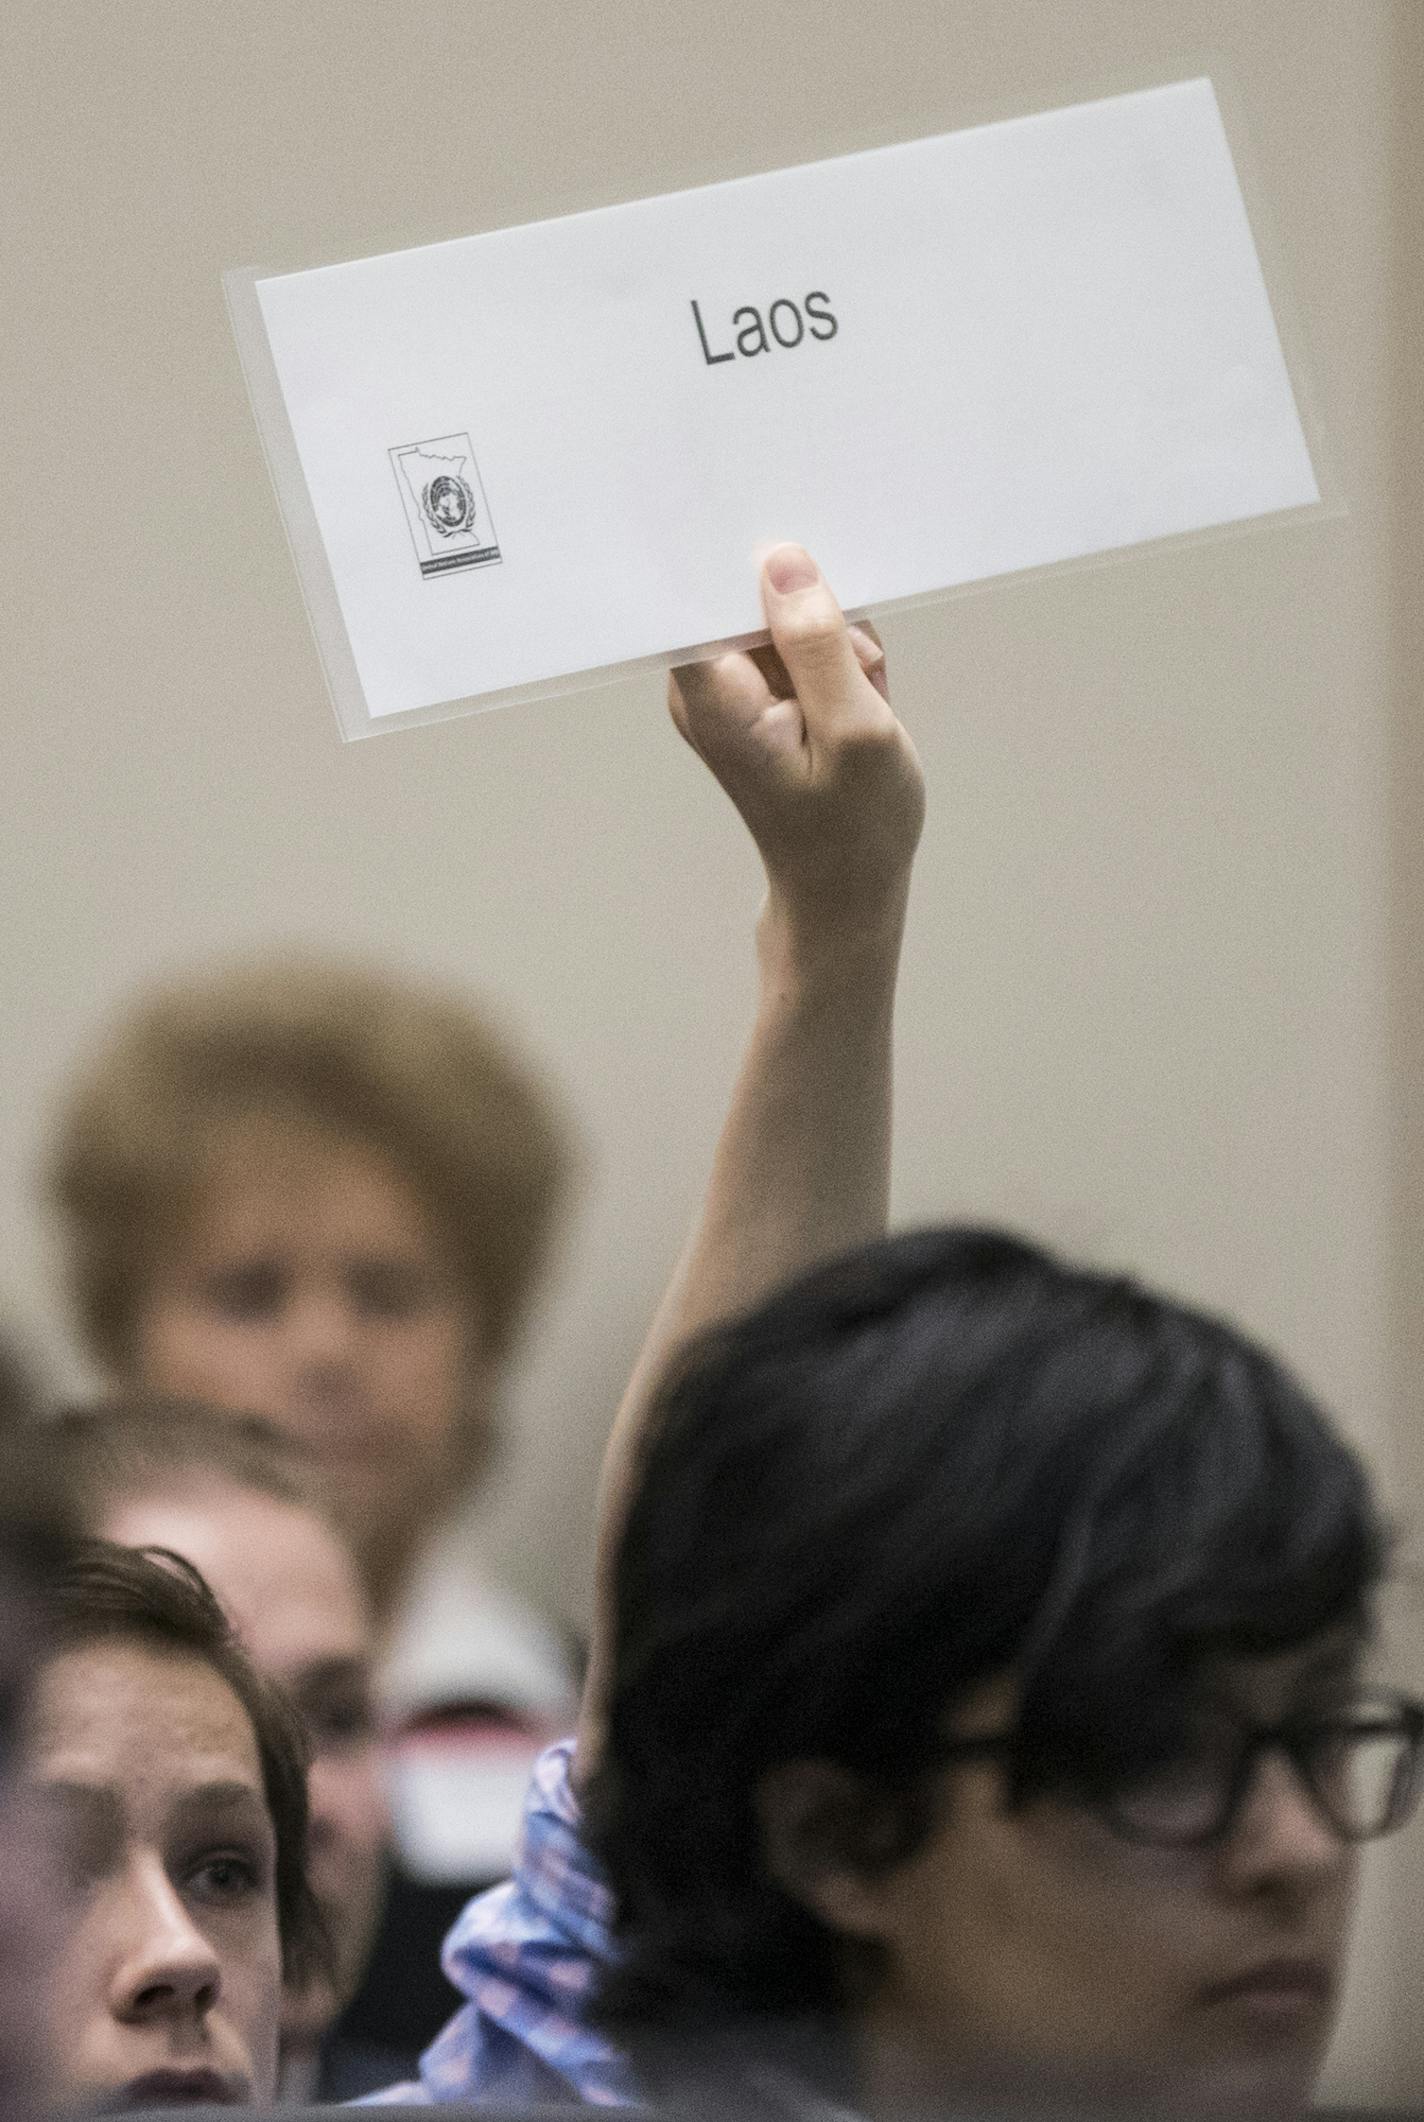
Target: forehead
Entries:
(1272, 1685)
(276, 1185)
(1259, 1688)
(282, 1575)
(155, 1725)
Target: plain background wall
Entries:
(1161, 997)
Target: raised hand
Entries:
(803, 738)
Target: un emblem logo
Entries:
(445, 506)
(449, 504)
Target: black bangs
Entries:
(1239, 1525)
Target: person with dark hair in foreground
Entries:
(986, 1706)
(172, 1783)
(977, 1699)
(985, 1713)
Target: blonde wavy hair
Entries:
(313, 1044)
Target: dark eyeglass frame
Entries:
(1372, 1713)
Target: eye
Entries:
(255, 1290)
(338, 1722)
(227, 1877)
(1179, 1799)
(390, 1289)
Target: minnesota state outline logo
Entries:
(444, 502)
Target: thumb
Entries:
(811, 638)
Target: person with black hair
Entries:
(984, 1710)
(985, 1701)
(169, 1780)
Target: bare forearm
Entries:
(803, 1164)
(804, 741)
(801, 1170)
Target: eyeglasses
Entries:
(1360, 1765)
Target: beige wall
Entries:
(1162, 995)
(1403, 504)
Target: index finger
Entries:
(810, 633)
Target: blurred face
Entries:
(168, 1984)
(310, 1286)
(1039, 1934)
(291, 1590)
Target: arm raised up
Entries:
(802, 737)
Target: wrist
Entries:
(822, 948)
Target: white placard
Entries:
(519, 460)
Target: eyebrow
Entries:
(106, 1798)
(1337, 1663)
(92, 1817)
(98, 1801)
(229, 1796)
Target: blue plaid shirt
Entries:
(525, 1954)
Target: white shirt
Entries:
(462, 1642)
